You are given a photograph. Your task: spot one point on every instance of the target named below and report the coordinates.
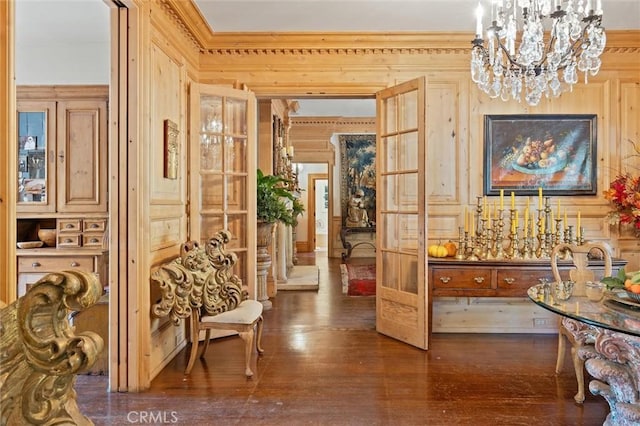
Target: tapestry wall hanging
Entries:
(358, 180)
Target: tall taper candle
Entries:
(513, 200)
(502, 199)
(539, 198)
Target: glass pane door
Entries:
(401, 295)
(223, 171)
(36, 149)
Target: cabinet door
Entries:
(36, 156)
(82, 156)
(223, 166)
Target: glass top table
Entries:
(615, 311)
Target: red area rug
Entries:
(358, 280)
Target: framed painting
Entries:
(525, 152)
(358, 180)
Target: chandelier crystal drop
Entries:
(537, 47)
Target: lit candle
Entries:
(513, 200)
(540, 198)
(479, 20)
(466, 220)
(495, 210)
(526, 220)
(558, 208)
(502, 199)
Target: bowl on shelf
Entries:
(47, 236)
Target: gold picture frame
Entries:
(171, 149)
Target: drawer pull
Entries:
(445, 279)
(35, 264)
(93, 240)
(479, 279)
(69, 226)
(68, 240)
(74, 264)
(509, 280)
(94, 226)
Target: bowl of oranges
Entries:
(627, 281)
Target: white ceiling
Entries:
(43, 22)
(371, 15)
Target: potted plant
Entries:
(273, 205)
(273, 198)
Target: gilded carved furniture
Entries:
(40, 354)
(201, 286)
(573, 331)
(608, 333)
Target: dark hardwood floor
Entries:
(324, 364)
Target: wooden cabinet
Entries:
(62, 172)
(33, 264)
(509, 278)
(66, 170)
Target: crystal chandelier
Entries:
(575, 41)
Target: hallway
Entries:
(324, 364)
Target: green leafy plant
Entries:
(616, 281)
(297, 210)
(273, 196)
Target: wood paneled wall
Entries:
(303, 65)
(8, 152)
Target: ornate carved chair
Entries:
(39, 353)
(200, 285)
(576, 332)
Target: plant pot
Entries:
(264, 236)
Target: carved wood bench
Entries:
(40, 355)
(200, 285)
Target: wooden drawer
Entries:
(461, 278)
(69, 240)
(53, 264)
(92, 239)
(515, 282)
(94, 225)
(69, 225)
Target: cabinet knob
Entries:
(69, 226)
(93, 226)
(509, 280)
(75, 264)
(94, 240)
(479, 279)
(68, 240)
(35, 264)
(445, 279)
(61, 156)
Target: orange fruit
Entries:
(635, 288)
(627, 283)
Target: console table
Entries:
(609, 334)
(498, 278)
(346, 231)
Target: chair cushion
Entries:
(247, 312)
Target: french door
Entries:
(223, 164)
(401, 223)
